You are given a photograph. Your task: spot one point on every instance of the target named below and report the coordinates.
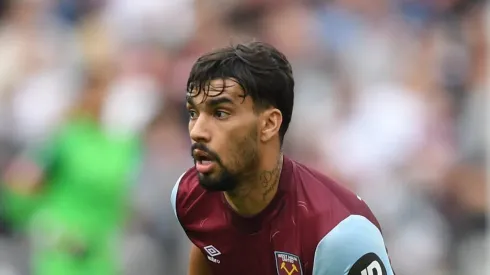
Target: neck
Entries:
(253, 196)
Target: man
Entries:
(247, 208)
(72, 191)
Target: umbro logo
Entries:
(212, 253)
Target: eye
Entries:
(221, 114)
(192, 114)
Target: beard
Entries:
(244, 164)
(225, 181)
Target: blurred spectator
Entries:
(155, 233)
(81, 178)
(28, 73)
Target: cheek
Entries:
(242, 148)
(233, 138)
(225, 143)
(229, 145)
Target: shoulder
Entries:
(355, 246)
(327, 196)
(185, 191)
(324, 204)
(344, 236)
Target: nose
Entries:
(199, 130)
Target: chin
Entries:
(217, 183)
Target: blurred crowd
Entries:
(390, 100)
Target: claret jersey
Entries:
(313, 226)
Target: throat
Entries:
(251, 198)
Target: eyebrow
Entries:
(212, 102)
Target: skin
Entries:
(246, 140)
(198, 264)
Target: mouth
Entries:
(202, 157)
(205, 163)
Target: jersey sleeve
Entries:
(354, 247)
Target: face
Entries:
(224, 132)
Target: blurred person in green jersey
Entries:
(80, 182)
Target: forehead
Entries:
(216, 88)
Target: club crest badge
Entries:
(287, 264)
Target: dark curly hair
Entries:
(263, 73)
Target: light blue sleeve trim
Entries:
(350, 240)
(173, 196)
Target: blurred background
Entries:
(390, 100)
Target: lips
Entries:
(204, 162)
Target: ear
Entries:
(270, 124)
